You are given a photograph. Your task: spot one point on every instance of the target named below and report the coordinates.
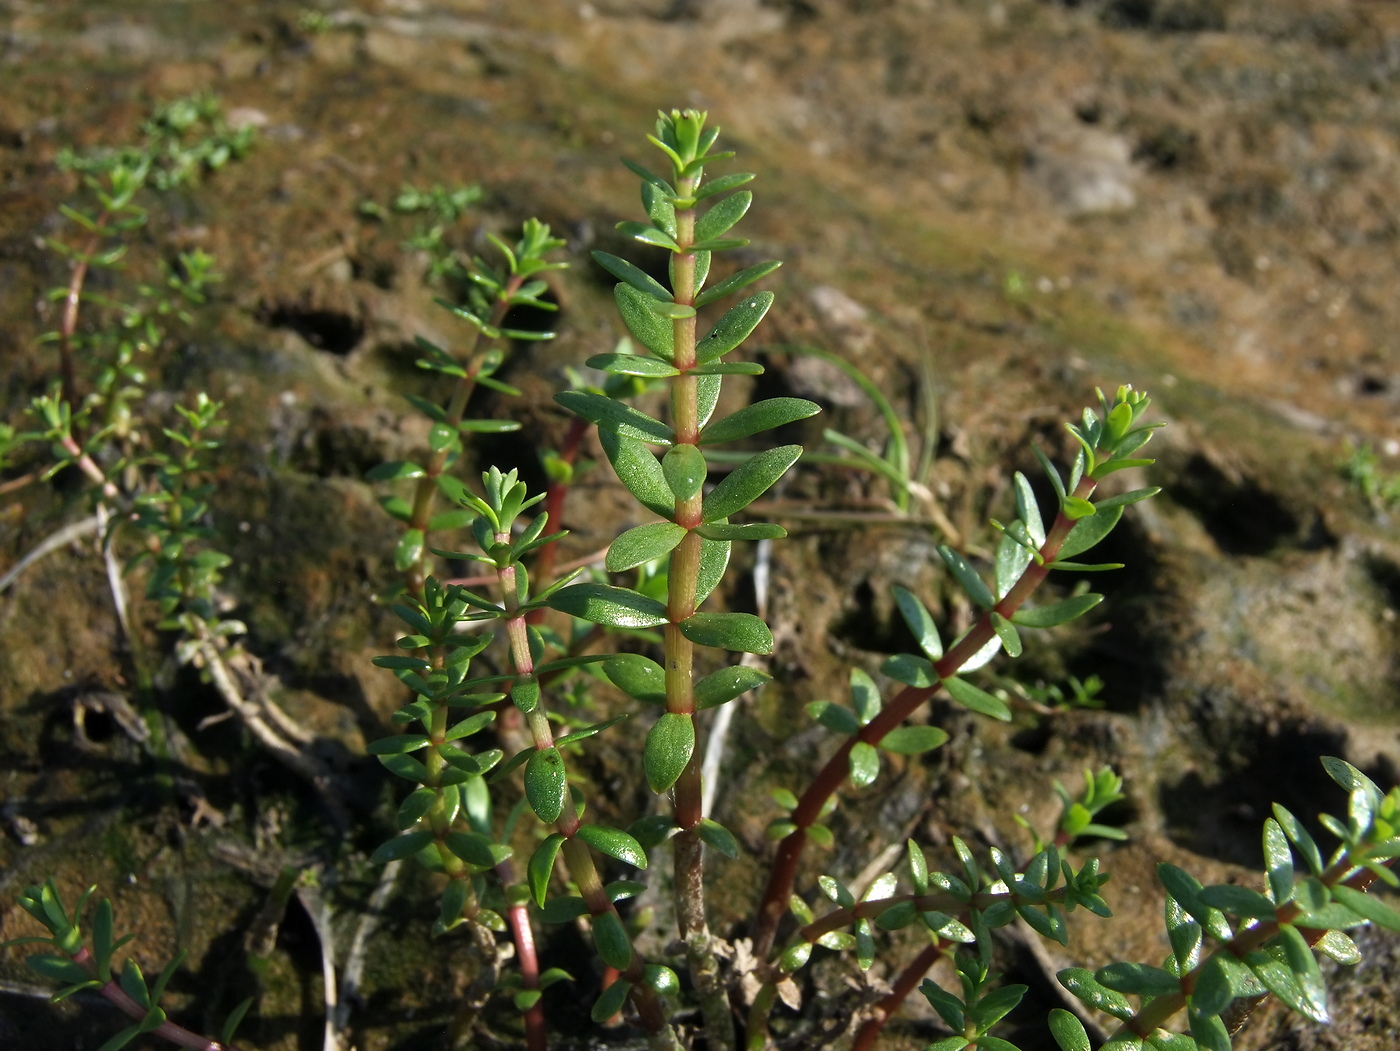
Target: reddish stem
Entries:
(524, 935)
(775, 898)
(71, 303)
(115, 995)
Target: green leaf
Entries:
(476, 849)
(1068, 1031)
(395, 471)
(967, 577)
(749, 531)
(1209, 1032)
(653, 331)
(731, 631)
(747, 482)
(661, 978)
(978, 700)
(733, 328)
(611, 941)
(722, 215)
(1124, 499)
(724, 685)
(1300, 838)
(728, 368)
(714, 559)
(913, 740)
(734, 282)
(638, 279)
(640, 471)
(610, 1001)
(670, 743)
(1088, 989)
(642, 544)
(1057, 612)
(614, 843)
(1239, 901)
(760, 416)
(409, 549)
(613, 416)
(647, 234)
(631, 365)
(920, 622)
(542, 865)
(716, 835)
(684, 469)
(641, 678)
(834, 717)
(1137, 978)
(1341, 948)
(525, 696)
(910, 670)
(231, 1023)
(401, 847)
(1089, 531)
(1006, 631)
(605, 604)
(865, 764)
(707, 390)
(397, 745)
(59, 968)
(415, 805)
(123, 1038)
(1012, 558)
(563, 909)
(1367, 906)
(546, 784)
(405, 766)
(589, 731)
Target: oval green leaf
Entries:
(641, 678)
(724, 685)
(639, 470)
(644, 543)
(546, 784)
(733, 328)
(670, 743)
(750, 480)
(684, 469)
(913, 740)
(1057, 612)
(742, 632)
(604, 604)
(978, 700)
(611, 941)
(614, 843)
(541, 866)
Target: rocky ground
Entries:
(1003, 204)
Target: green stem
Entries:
(579, 858)
(683, 577)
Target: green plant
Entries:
(1361, 467)
(470, 812)
(437, 209)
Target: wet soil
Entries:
(1008, 202)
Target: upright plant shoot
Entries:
(694, 532)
